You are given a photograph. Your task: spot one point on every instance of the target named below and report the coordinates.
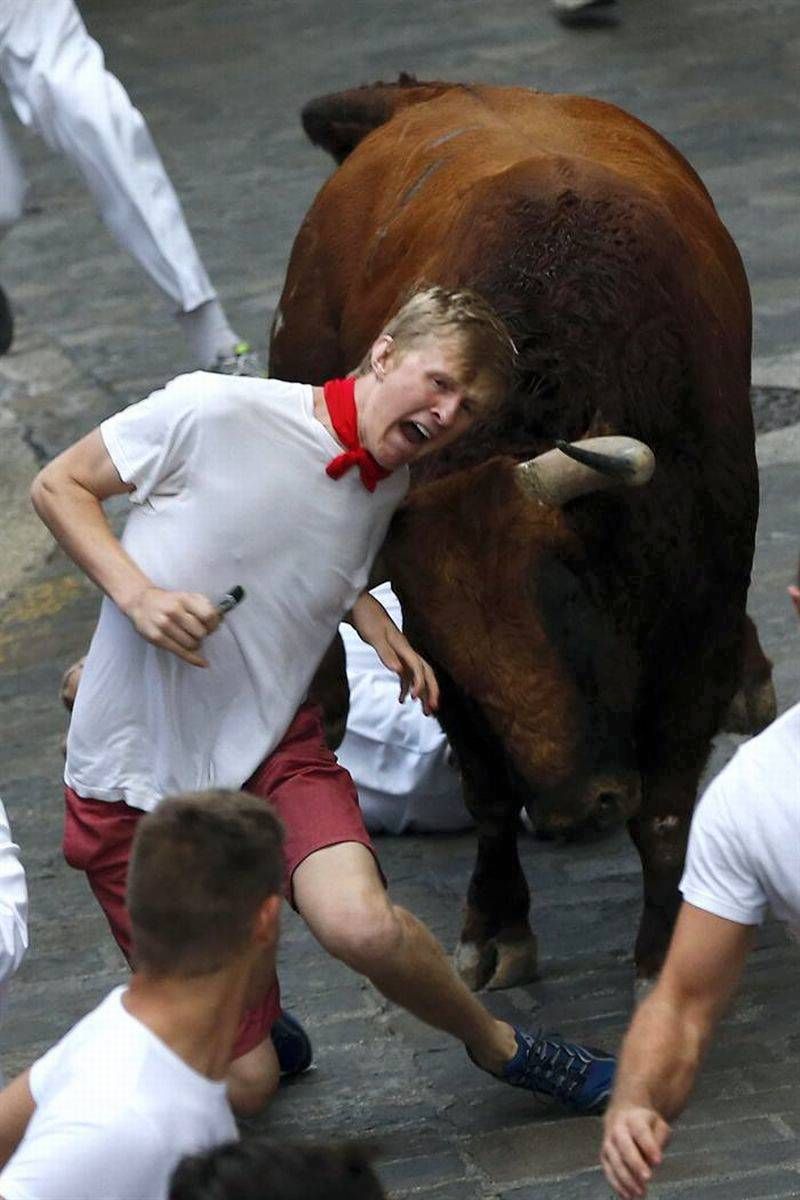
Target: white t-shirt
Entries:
(399, 758)
(744, 846)
(13, 906)
(116, 1110)
(13, 910)
(230, 488)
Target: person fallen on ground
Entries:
(58, 85)
(742, 860)
(13, 910)
(260, 1167)
(108, 1112)
(400, 760)
(288, 490)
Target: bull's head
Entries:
(494, 586)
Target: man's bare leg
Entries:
(253, 1079)
(339, 894)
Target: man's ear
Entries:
(382, 350)
(266, 926)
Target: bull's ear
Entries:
(338, 122)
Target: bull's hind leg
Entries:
(497, 947)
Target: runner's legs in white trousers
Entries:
(58, 85)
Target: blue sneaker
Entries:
(579, 1077)
(292, 1045)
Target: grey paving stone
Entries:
(549, 1149)
(408, 1174)
(767, 1185)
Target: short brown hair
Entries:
(485, 343)
(202, 865)
(261, 1167)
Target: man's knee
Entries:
(362, 931)
(252, 1079)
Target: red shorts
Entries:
(312, 794)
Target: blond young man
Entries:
(287, 490)
(109, 1111)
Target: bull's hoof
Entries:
(642, 988)
(474, 963)
(497, 964)
(516, 963)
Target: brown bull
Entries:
(589, 651)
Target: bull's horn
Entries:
(576, 468)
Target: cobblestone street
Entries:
(221, 86)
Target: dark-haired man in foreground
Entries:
(108, 1112)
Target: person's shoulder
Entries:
(96, 1150)
(80, 1058)
(782, 737)
(214, 394)
(716, 810)
(766, 765)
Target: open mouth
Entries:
(415, 432)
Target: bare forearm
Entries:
(77, 521)
(68, 495)
(16, 1109)
(660, 1057)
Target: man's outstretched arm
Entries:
(374, 625)
(68, 494)
(666, 1042)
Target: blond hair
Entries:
(484, 342)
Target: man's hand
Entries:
(174, 621)
(633, 1143)
(416, 675)
(373, 625)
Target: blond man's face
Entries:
(420, 401)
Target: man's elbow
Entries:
(42, 492)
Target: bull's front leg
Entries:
(660, 834)
(498, 947)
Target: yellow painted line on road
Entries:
(39, 600)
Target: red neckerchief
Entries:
(341, 401)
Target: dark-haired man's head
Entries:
(204, 883)
(259, 1169)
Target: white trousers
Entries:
(398, 757)
(58, 85)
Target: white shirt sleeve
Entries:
(150, 442)
(13, 903)
(720, 876)
(86, 1159)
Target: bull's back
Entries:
(389, 213)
